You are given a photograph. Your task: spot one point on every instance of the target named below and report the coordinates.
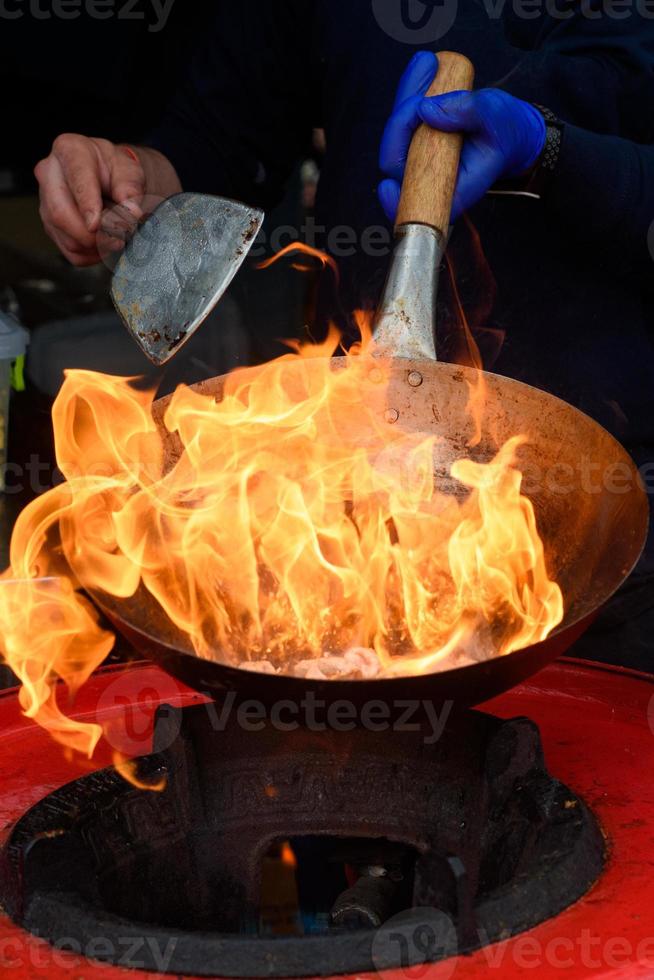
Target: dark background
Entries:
(109, 77)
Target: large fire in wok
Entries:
(291, 526)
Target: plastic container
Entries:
(13, 342)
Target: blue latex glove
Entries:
(504, 135)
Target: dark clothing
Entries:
(574, 297)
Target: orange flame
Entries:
(288, 521)
(287, 855)
(290, 526)
(128, 769)
(49, 631)
(322, 257)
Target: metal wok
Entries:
(591, 510)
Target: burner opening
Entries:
(315, 885)
(302, 853)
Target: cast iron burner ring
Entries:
(459, 843)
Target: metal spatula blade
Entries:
(176, 267)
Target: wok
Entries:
(593, 529)
(591, 509)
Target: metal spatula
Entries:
(176, 267)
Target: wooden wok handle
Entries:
(433, 163)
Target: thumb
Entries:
(454, 112)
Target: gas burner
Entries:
(471, 827)
(320, 853)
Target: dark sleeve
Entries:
(597, 74)
(243, 115)
(604, 187)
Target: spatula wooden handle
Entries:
(433, 163)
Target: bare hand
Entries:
(81, 175)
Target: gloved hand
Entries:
(504, 136)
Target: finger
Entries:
(477, 174)
(58, 207)
(71, 244)
(72, 251)
(405, 119)
(127, 179)
(454, 112)
(82, 261)
(389, 197)
(397, 137)
(118, 222)
(109, 242)
(417, 77)
(79, 162)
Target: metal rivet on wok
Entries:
(415, 379)
(375, 375)
(392, 415)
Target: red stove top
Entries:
(597, 727)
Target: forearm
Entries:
(597, 76)
(581, 90)
(591, 69)
(603, 193)
(161, 178)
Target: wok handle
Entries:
(433, 162)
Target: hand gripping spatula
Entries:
(177, 266)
